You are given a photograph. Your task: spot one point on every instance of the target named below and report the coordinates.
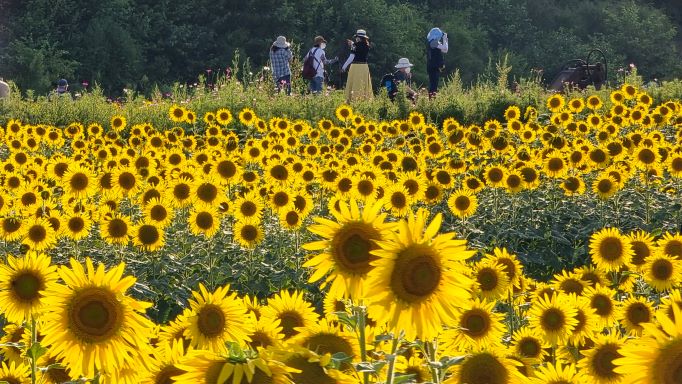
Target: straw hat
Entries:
(281, 42)
(319, 40)
(404, 62)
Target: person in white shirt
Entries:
(320, 61)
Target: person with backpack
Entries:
(280, 57)
(402, 75)
(436, 46)
(359, 83)
(313, 64)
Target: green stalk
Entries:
(391, 363)
(360, 315)
(34, 339)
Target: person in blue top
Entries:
(436, 46)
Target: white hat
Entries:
(404, 62)
(281, 42)
(361, 33)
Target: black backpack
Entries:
(309, 70)
(391, 85)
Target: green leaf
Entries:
(36, 351)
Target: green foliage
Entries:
(138, 44)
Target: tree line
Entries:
(139, 44)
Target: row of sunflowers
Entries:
(405, 300)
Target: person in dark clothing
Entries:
(436, 46)
(401, 77)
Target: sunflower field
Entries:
(230, 247)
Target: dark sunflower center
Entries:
(181, 191)
(211, 320)
(529, 347)
(676, 164)
(227, 169)
(27, 286)
(365, 187)
(495, 175)
(76, 224)
(158, 213)
(667, 367)
(598, 156)
(674, 248)
(166, 374)
(555, 164)
(95, 314)
(398, 200)
(117, 228)
(487, 279)
(475, 323)
(207, 192)
(638, 313)
(79, 181)
(604, 185)
(572, 286)
(249, 232)
(280, 199)
(351, 247)
(279, 172)
(443, 177)
(662, 269)
(611, 248)
(29, 198)
(292, 218)
(289, 320)
(151, 194)
(127, 180)
(37, 233)
(513, 181)
(572, 184)
(553, 319)
(416, 274)
(462, 203)
(345, 184)
(483, 368)
(646, 156)
(148, 234)
(602, 361)
(248, 208)
(204, 220)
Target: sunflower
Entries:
(476, 325)
(486, 367)
(597, 364)
(248, 233)
(569, 282)
(266, 334)
(125, 181)
(326, 337)
(490, 279)
(433, 193)
(204, 367)
(311, 368)
(671, 245)
(656, 357)
(635, 312)
(116, 228)
(495, 175)
(397, 200)
(23, 286)
(602, 301)
(662, 272)
(77, 225)
(528, 346)
(415, 366)
(291, 310)
(167, 356)
(14, 373)
(204, 219)
(158, 211)
(79, 182)
(512, 112)
(92, 323)
(462, 203)
(208, 191)
(180, 191)
(556, 374)
(148, 236)
(217, 318)
(642, 244)
(223, 116)
(587, 321)
(247, 117)
(573, 186)
(344, 113)
(410, 282)
(39, 235)
(118, 123)
(555, 103)
(609, 249)
(553, 318)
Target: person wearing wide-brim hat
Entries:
(320, 60)
(280, 59)
(403, 75)
(359, 83)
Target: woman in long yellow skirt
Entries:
(359, 83)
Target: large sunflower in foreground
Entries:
(346, 251)
(218, 318)
(598, 362)
(656, 357)
(23, 285)
(91, 322)
(419, 278)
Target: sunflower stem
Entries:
(432, 354)
(360, 318)
(391, 363)
(34, 339)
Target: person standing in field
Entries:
(4, 89)
(319, 61)
(436, 46)
(359, 83)
(280, 59)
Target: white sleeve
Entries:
(443, 47)
(348, 61)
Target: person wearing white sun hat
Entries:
(359, 83)
(280, 59)
(402, 75)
